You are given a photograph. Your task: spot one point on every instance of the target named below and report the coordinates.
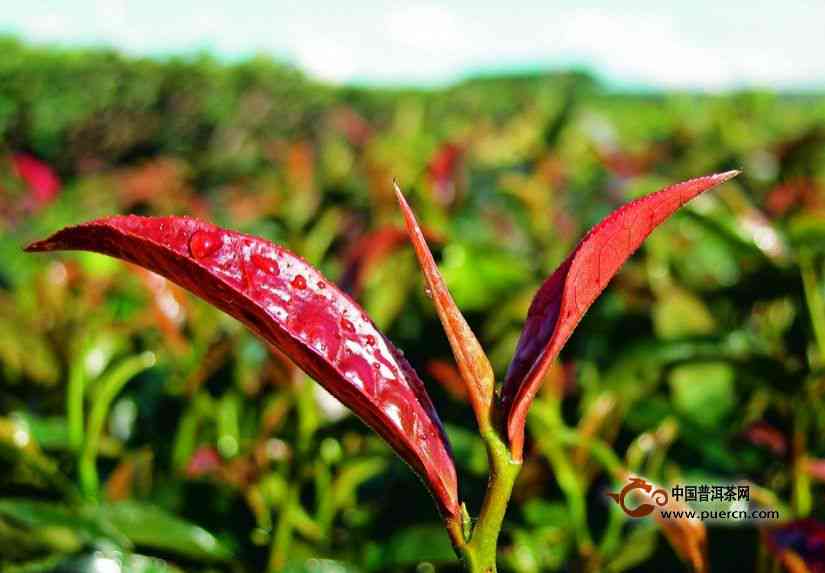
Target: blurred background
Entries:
(141, 430)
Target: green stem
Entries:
(479, 552)
(324, 500)
(292, 512)
(598, 449)
(601, 452)
(801, 494)
(74, 404)
(109, 387)
(549, 418)
(198, 409)
(814, 300)
(282, 538)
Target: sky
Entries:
(700, 45)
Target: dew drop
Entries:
(370, 340)
(265, 264)
(428, 291)
(347, 325)
(322, 285)
(204, 243)
(299, 282)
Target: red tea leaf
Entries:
(41, 179)
(290, 305)
(563, 299)
(443, 171)
(472, 361)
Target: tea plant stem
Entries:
(109, 387)
(199, 408)
(75, 394)
(814, 300)
(603, 454)
(324, 500)
(479, 552)
(598, 449)
(550, 420)
(802, 498)
(74, 405)
(291, 509)
(282, 538)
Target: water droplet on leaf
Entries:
(265, 264)
(204, 243)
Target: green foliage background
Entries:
(139, 426)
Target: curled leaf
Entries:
(563, 299)
(291, 306)
(472, 361)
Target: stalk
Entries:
(282, 537)
(478, 550)
(74, 405)
(109, 387)
(549, 418)
(814, 300)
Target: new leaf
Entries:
(290, 305)
(563, 299)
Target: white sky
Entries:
(700, 44)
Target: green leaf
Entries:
(50, 433)
(468, 449)
(100, 561)
(82, 522)
(703, 392)
(636, 549)
(679, 313)
(314, 565)
(478, 277)
(151, 527)
(416, 544)
(540, 512)
(540, 549)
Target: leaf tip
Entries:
(400, 194)
(40, 246)
(413, 229)
(727, 175)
